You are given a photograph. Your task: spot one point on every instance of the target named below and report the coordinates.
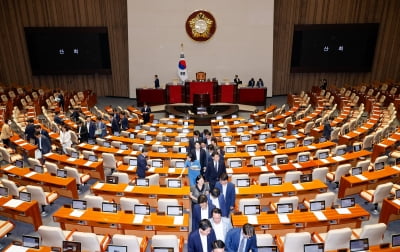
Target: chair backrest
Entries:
(69, 150)
(382, 191)
(380, 160)
(294, 241)
(235, 177)
(264, 240)
(321, 151)
(37, 194)
(123, 177)
(247, 201)
(12, 187)
(277, 157)
(154, 179)
(310, 139)
(335, 134)
(292, 176)
(51, 167)
(328, 197)
(116, 144)
(368, 141)
(337, 238)
(363, 164)
(340, 150)
(253, 160)
(264, 178)
(51, 236)
(89, 241)
(341, 170)
(73, 173)
(94, 201)
(290, 143)
(131, 241)
(300, 154)
(374, 233)
(170, 241)
(32, 162)
(251, 147)
(109, 160)
(320, 173)
(163, 203)
(87, 153)
(126, 159)
(293, 199)
(128, 203)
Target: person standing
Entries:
(327, 129)
(201, 239)
(142, 165)
(6, 133)
(146, 113)
(236, 80)
(101, 129)
(83, 134)
(91, 127)
(228, 191)
(218, 246)
(214, 170)
(200, 155)
(124, 121)
(65, 138)
(44, 146)
(202, 210)
(200, 188)
(193, 167)
(30, 131)
(241, 239)
(221, 225)
(156, 81)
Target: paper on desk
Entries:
(129, 188)
(48, 154)
(238, 143)
(131, 168)
(81, 144)
(9, 167)
(71, 159)
(338, 158)
(76, 213)
(151, 169)
(396, 201)
(283, 218)
(236, 190)
(178, 220)
(120, 151)
(158, 142)
(15, 248)
(95, 147)
(229, 170)
(262, 141)
(324, 161)
(357, 132)
(147, 142)
(30, 174)
(274, 152)
(343, 211)
(176, 143)
(382, 145)
(98, 186)
(392, 139)
(275, 167)
(138, 219)
(297, 165)
(311, 147)
(13, 203)
(396, 168)
(133, 152)
(361, 177)
(88, 163)
(252, 219)
(252, 154)
(171, 170)
(263, 168)
(18, 141)
(320, 215)
(23, 144)
(298, 186)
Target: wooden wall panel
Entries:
(14, 59)
(290, 12)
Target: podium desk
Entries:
(24, 176)
(303, 221)
(252, 96)
(227, 93)
(201, 87)
(152, 96)
(368, 180)
(145, 194)
(390, 211)
(121, 222)
(94, 169)
(19, 210)
(23, 145)
(175, 93)
(268, 193)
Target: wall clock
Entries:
(200, 25)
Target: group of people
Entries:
(251, 83)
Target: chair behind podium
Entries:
(201, 76)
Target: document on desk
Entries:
(252, 154)
(396, 201)
(171, 170)
(252, 219)
(152, 169)
(48, 154)
(158, 142)
(14, 203)
(133, 152)
(320, 215)
(9, 167)
(382, 145)
(178, 220)
(15, 248)
(392, 139)
(76, 213)
(138, 219)
(71, 159)
(129, 188)
(238, 143)
(324, 161)
(361, 177)
(262, 141)
(343, 211)
(297, 165)
(396, 168)
(229, 170)
(23, 144)
(131, 168)
(338, 158)
(274, 152)
(298, 186)
(98, 186)
(283, 218)
(275, 167)
(120, 151)
(95, 147)
(264, 168)
(311, 147)
(88, 163)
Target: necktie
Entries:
(241, 245)
(216, 166)
(40, 143)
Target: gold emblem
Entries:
(200, 25)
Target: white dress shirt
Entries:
(203, 239)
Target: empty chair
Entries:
(87, 153)
(303, 156)
(264, 135)
(94, 201)
(334, 239)
(320, 173)
(154, 179)
(364, 164)
(162, 204)
(307, 129)
(235, 177)
(80, 178)
(134, 243)
(13, 189)
(123, 177)
(42, 197)
(379, 163)
(345, 129)
(264, 240)
(9, 158)
(292, 176)
(374, 233)
(100, 141)
(328, 197)
(280, 159)
(70, 150)
(294, 200)
(109, 163)
(322, 153)
(247, 201)
(292, 241)
(126, 159)
(53, 236)
(137, 147)
(368, 142)
(340, 150)
(335, 134)
(91, 242)
(173, 162)
(167, 241)
(258, 159)
(308, 140)
(251, 147)
(263, 178)
(51, 167)
(32, 162)
(284, 124)
(281, 133)
(335, 176)
(290, 143)
(376, 196)
(128, 204)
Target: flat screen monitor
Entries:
(314, 247)
(317, 205)
(347, 202)
(30, 241)
(397, 194)
(259, 162)
(142, 182)
(166, 139)
(3, 191)
(323, 155)
(185, 123)
(163, 249)
(123, 146)
(107, 144)
(267, 248)
(226, 139)
(235, 163)
(279, 134)
(132, 162)
(148, 138)
(251, 120)
(156, 121)
(117, 248)
(275, 181)
(117, 133)
(162, 149)
(251, 148)
(305, 178)
(234, 116)
(75, 154)
(79, 204)
(138, 127)
(152, 129)
(19, 163)
(359, 245)
(25, 196)
(307, 142)
(356, 171)
(256, 127)
(251, 209)
(271, 147)
(111, 179)
(184, 139)
(62, 173)
(379, 166)
(236, 122)
(157, 163)
(322, 140)
(245, 182)
(230, 149)
(271, 126)
(169, 130)
(282, 160)
(283, 208)
(223, 130)
(182, 150)
(356, 147)
(220, 123)
(71, 246)
(304, 158)
(131, 135)
(174, 183)
(170, 123)
(340, 152)
(262, 136)
(175, 210)
(109, 207)
(218, 118)
(92, 158)
(294, 132)
(239, 129)
(38, 168)
(396, 240)
(180, 164)
(289, 145)
(91, 141)
(142, 209)
(245, 138)
(185, 130)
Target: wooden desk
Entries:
(261, 114)
(355, 184)
(121, 222)
(14, 248)
(145, 142)
(24, 176)
(384, 145)
(281, 117)
(26, 211)
(252, 96)
(390, 211)
(164, 172)
(146, 195)
(359, 133)
(23, 145)
(98, 149)
(304, 221)
(152, 96)
(94, 169)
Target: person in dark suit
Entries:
(43, 143)
(236, 80)
(38, 128)
(260, 83)
(202, 210)
(91, 127)
(57, 119)
(156, 81)
(214, 170)
(221, 225)
(83, 134)
(61, 101)
(200, 155)
(142, 163)
(327, 129)
(217, 200)
(227, 189)
(241, 239)
(75, 115)
(324, 84)
(30, 131)
(146, 113)
(251, 83)
(124, 121)
(192, 141)
(204, 230)
(218, 246)
(115, 127)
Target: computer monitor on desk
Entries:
(19, 163)
(175, 210)
(282, 208)
(245, 138)
(142, 182)
(111, 179)
(259, 162)
(142, 209)
(357, 147)
(267, 248)
(318, 205)
(347, 202)
(131, 135)
(230, 149)
(117, 248)
(305, 178)
(359, 245)
(163, 249)
(235, 163)
(397, 194)
(323, 155)
(227, 139)
(30, 241)
(62, 173)
(38, 169)
(289, 145)
(243, 182)
(251, 209)
(314, 247)
(133, 162)
(3, 191)
(157, 163)
(251, 148)
(79, 204)
(74, 154)
(396, 240)
(304, 158)
(379, 166)
(107, 144)
(356, 171)
(275, 181)
(271, 147)
(282, 160)
(182, 150)
(109, 207)
(93, 158)
(180, 164)
(71, 246)
(91, 141)
(174, 183)
(123, 146)
(25, 196)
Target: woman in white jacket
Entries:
(65, 138)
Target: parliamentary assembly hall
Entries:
(209, 126)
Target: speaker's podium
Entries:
(200, 103)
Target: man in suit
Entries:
(241, 239)
(142, 163)
(201, 210)
(216, 199)
(200, 238)
(83, 134)
(214, 170)
(91, 127)
(200, 155)
(124, 121)
(146, 113)
(228, 191)
(30, 131)
(221, 225)
(192, 141)
(156, 81)
(237, 81)
(38, 128)
(260, 83)
(252, 82)
(44, 145)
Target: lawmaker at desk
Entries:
(236, 80)
(251, 83)
(260, 83)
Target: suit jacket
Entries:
(146, 114)
(44, 144)
(124, 123)
(252, 83)
(212, 175)
(141, 166)
(230, 196)
(45, 133)
(194, 241)
(115, 124)
(157, 83)
(222, 204)
(192, 143)
(30, 132)
(83, 134)
(226, 222)
(260, 83)
(203, 158)
(196, 215)
(232, 241)
(92, 129)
